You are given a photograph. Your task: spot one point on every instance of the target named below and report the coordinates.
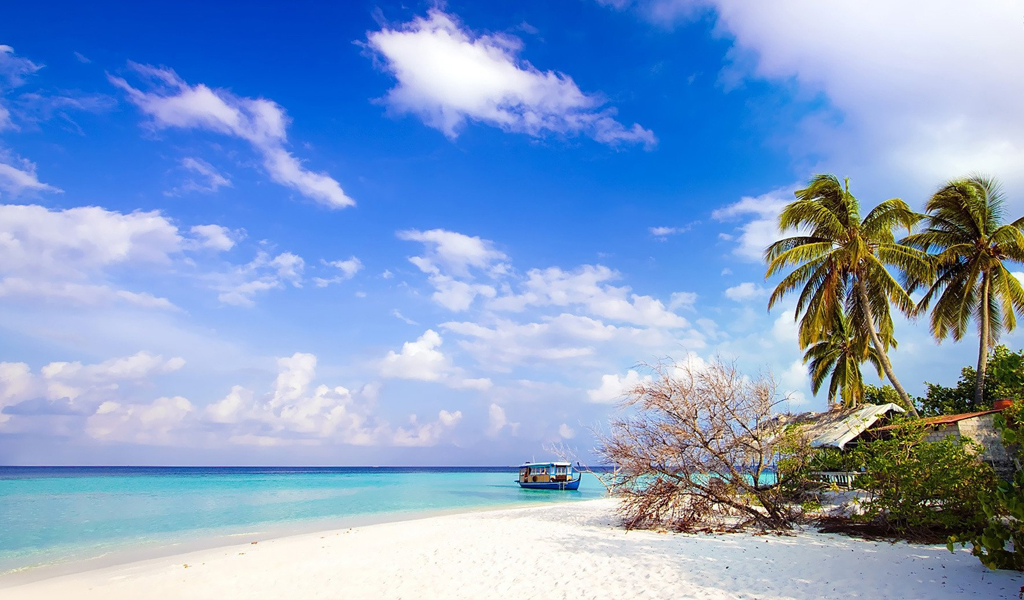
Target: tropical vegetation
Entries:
(841, 265)
(971, 246)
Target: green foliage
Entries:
(881, 394)
(941, 400)
(840, 264)
(917, 486)
(1003, 507)
(841, 354)
(971, 249)
(1005, 379)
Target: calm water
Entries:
(55, 514)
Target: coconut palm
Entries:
(971, 246)
(840, 261)
(841, 354)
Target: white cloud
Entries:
(451, 255)
(348, 269)
(212, 179)
(566, 432)
(418, 360)
(587, 287)
(295, 413)
(423, 360)
(684, 300)
(214, 237)
(447, 75)
(745, 291)
(454, 253)
(18, 176)
(891, 116)
(14, 69)
(76, 388)
(263, 273)
(662, 233)
(398, 315)
(151, 423)
(65, 254)
(171, 102)
(615, 387)
(762, 227)
(497, 420)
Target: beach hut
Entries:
(977, 426)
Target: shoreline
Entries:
(573, 549)
(128, 553)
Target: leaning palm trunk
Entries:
(883, 357)
(984, 343)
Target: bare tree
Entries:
(694, 450)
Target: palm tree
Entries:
(971, 246)
(840, 261)
(841, 354)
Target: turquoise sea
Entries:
(52, 515)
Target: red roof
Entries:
(947, 419)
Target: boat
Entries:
(549, 476)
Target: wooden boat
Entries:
(549, 476)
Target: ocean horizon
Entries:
(64, 514)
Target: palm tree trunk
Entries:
(883, 356)
(979, 382)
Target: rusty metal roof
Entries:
(835, 429)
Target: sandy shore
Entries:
(560, 551)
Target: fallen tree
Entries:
(694, 449)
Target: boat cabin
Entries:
(545, 472)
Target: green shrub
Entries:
(920, 487)
(1000, 544)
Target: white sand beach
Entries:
(561, 551)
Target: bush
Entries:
(922, 488)
(1000, 545)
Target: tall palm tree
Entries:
(841, 263)
(971, 246)
(841, 354)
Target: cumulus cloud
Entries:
(214, 237)
(745, 291)
(566, 432)
(761, 226)
(614, 387)
(296, 412)
(239, 286)
(172, 103)
(452, 257)
(104, 402)
(587, 286)
(423, 360)
(447, 74)
(498, 421)
(64, 387)
(65, 254)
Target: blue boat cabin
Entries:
(549, 476)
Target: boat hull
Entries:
(552, 485)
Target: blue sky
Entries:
(375, 233)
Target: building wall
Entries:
(981, 430)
